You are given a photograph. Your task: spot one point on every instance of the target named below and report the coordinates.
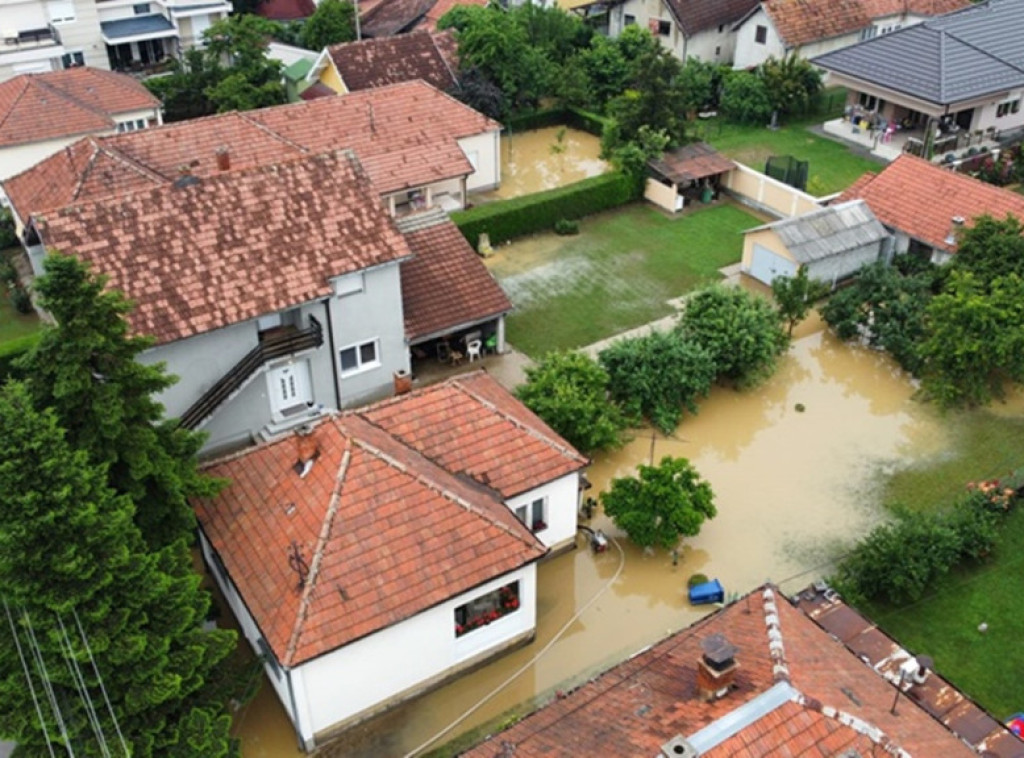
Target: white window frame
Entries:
(132, 125)
(361, 365)
(349, 284)
(57, 10)
(72, 59)
(533, 514)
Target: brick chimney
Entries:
(307, 450)
(223, 159)
(716, 668)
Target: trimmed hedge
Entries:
(13, 349)
(577, 118)
(519, 216)
(586, 121)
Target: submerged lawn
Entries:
(944, 624)
(616, 274)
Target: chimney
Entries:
(223, 159)
(307, 450)
(716, 668)
(956, 224)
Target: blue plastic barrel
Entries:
(708, 592)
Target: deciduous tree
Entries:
(796, 295)
(661, 504)
(334, 21)
(990, 248)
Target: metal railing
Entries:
(277, 346)
(47, 36)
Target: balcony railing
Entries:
(279, 345)
(29, 38)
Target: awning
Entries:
(690, 163)
(137, 29)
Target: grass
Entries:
(14, 325)
(832, 166)
(615, 275)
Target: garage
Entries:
(765, 265)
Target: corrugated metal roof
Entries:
(833, 230)
(948, 59)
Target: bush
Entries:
(524, 122)
(21, 299)
(519, 216)
(566, 227)
(8, 273)
(8, 238)
(586, 121)
(696, 579)
(12, 349)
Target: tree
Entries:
(700, 81)
(480, 94)
(745, 98)
(87, 369)
(661, 504)
(658, 375)
(654, 97)
(568, 390)
(796, 295)
(333, 21)
(252, 80)
(605, 68)
(991, 248)
(791, 83)
(70, 555)
(183, 90)
(631, 157)
(741, 331)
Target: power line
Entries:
(103, 688)
(47, 686)
(28, 678)
(68, 651)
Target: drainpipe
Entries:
(334, 360)
(295, 710)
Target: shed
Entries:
(833, 242)
(686, 175)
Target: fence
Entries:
(768, 194)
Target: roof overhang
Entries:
(137, 29)
(199, 9)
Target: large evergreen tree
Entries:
(82, 594)
(86, 369)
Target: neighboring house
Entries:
(806, 28)
(273, 292)
(48, 35)
(833, 242)
(925, 206)
(420, 147)
(386, 18)
(42, 113)
(352, 66)
(688, 28)
(764, 676)
(374, 557)
(964, 71)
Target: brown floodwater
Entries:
(538, 160)
(790, 487)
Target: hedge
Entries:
(13, 349)
(577, 118)
(586, 121)
(507, 219)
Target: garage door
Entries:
(766, 265)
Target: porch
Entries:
(139, 44)
(888, 141)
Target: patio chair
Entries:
(474, 350)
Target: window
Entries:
(141, 9)
(131, 126)
(61, 11)
(356, 358)
(721, 28)
(718, 51)
(1007, 107)
(533, 514)
(761, 34)
(349, 284)
(868, 32)
(487, 608)
(73, 59)
(629, 20)
(869, 102)
(664, 28)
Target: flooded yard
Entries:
(790, 487)
(543, 159)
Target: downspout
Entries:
(334, 361)
(295, 710)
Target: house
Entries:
(429, 21)
(48, 35)
(42, 113)
(924, 205)
(686, 175)
(687, 28)
(961, 73)
(806, 28)
(420, 148)
(766, 675)
(374, 557)
(275, 291)
(833, 242)
(387, 18)
(352, 66)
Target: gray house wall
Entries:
(837, 267)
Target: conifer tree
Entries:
(86, 369)
(71, 555)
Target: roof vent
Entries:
(679, 747)
(223, 159)
(185, 180)
(956, 224)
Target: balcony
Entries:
(28, 39)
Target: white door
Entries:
(289, 388)
(766, 265)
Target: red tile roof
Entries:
(831, 700)
(799, 22)
(195, 258)
(37, 107)
(920, 199)
(404, 135)
(691, 162)
(390, 60)
(446, 284)
(429, 22)
(471, 426)
(700, 15)
(384, 18)
(384, 533)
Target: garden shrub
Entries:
(21, 300)
(592, 123)
(519, 216)
(658, 375)
(566, 226)
(12, 349)
(8, 273)
(539, 119)
(8, 237)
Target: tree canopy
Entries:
(334, 21)
(661, 504)
(796, 295)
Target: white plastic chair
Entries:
(474, 350)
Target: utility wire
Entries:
(103, 687)
(45, 677)
(28, 678)
(68, 651)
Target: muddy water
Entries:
(789, 487)
(537, 160)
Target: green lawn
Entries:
(831, 163)
(616, 274)
(12, 323)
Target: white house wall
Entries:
(372, 672)
(750, 53)
(562, 506)
(487, 148)
(18, 158)
(708, 45)
(83, 34)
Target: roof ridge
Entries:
(318, 553)
(776, 647)
(857, 724)
(275, 134)
(512, 419)
(73, 98)
(17, 99)
(114, 154)
(441, 55)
